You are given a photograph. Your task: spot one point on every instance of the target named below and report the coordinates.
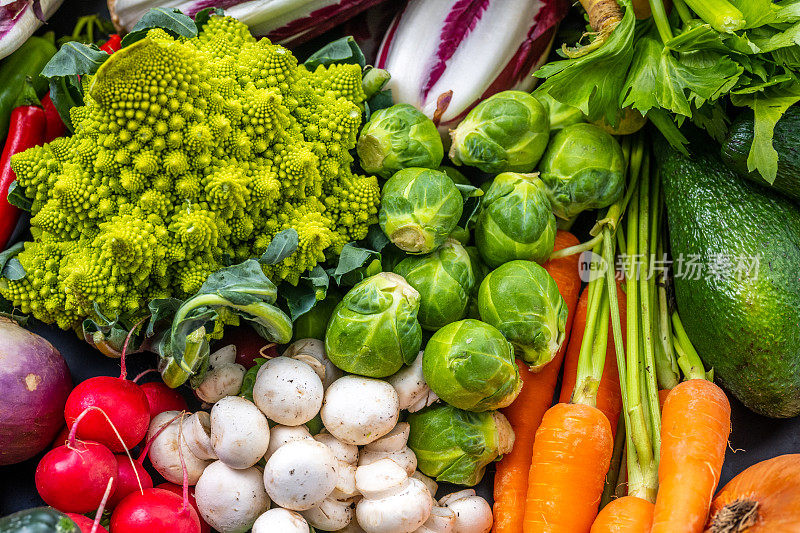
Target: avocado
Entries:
(746, 327)
(786, 141)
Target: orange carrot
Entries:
(695, 425)
(571, 454)
(525, 414)
(628, 514)
(609, 397)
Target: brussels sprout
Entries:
(444, 280)
(583, 168)
(419, 209)
(560, 115)
(515, 221)
(469, 364)
(396, 138)
(506, 132)
(454, 445)
(374, 329)
(522, 300)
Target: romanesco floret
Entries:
(190, 154)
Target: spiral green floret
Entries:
(188, 154)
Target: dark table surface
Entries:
(754, 438)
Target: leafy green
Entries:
(282, 246)
(10, 267)
(170, 20)
(202, 17)
(249, 380)
(344, 50)
(312, 288)
(17, 198)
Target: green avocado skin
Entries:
(747, 329)
(785, 140)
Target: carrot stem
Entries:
(613, 475)
(688, 358)
(590, 363)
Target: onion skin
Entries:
(35, 382)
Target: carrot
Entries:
(628, 514)
(571, 454)
(695, 425)
(609, 397)
(525, 414)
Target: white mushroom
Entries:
(392, 502)
(429, 483)
(316, 349)
(331, 515)
(392, 446)
(346, 457)
(288, 391)
(359, 410)
(239, 432)
(280, 435)
(197, 431)
(300, 474)
(164, 451)
(230, 500)
(413, 391)
(441, 520)
(280, 520)
(473, 513)
(223, 356)
(221, 381)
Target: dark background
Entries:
(754, 438)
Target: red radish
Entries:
(85, 524)
(161, 398)
(127, 480)
(124, 403)
(248, 344)
(154, 511)
(177, 489)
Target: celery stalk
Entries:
(720, 14)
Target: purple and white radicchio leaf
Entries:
(20, 18)
(454, 53)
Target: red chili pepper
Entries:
(113, 44)
(54, 126)
(27, 129)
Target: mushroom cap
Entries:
(288, 391)
(230, 500)
(347, 453)
(441, 520)
(300, 474)
(330, 515)
(316, 349)
(239, 432)
(359, 410)
(221, 381)
(165, 450)
(393, 502)
(197, 432)
(473, 513)
(280, 435)
(281, 520)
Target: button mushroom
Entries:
(280, 520)
(224, 377)
(300, 474)
(441, 520)
(392, 502)
(230, 500)
(197, 432)
(429, 483)
(288, 391)
(391, 446)
(314, 348)
(239, 432)
(359, 410)
(280, 435)
(346, 457)
(164, 453)
(411, 387)
(331, 515)
(473, 513)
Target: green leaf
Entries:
(10, 267)
(768, 107)
(203, 16)
(376, 239)
(769, 39)
(663, 121)
(282, 246)
(380, 100)
(758, 12)
(16, 197)
(170, 20)
(66, 92)
(311, 289)
(344, 50)
(351, 259)
(249, 380)
(697, 37)
(246, 279)
(712, 119)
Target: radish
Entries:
(85, 524)
(161, 398)
(155, 511)
(177, 489)
(131, 477)
(76, 476)
(124, 403)
(249, 345)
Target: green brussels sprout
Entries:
(444, 280)
(583, 168)
(561, 115)
(396, 138)
(454, 445)
(469, 364)
(522, 300)
(506, 132)
(419, 209)
(515, 221)
(374, 329)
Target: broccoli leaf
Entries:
(203, 16)
(10, 267)
(351, 260)
(282, 246)
(17, 198)
(171, 21)
(312, 287)
(344, 50)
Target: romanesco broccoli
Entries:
(190, 154)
